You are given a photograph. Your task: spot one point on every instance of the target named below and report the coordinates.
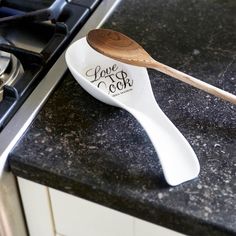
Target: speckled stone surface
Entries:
(101, 153)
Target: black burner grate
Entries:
(37, 39)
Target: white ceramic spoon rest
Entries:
(128, 87)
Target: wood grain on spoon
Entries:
(120, 47)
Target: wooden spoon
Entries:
(122, 48)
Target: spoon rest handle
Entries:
(177, 158)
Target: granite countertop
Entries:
(81, 146)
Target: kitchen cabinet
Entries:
(50, 212)
(75, 216)
(37, 208)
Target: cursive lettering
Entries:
(98, 73)
(111, 79)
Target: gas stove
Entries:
(31, 40)
(33, 37)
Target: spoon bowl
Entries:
(128, 87)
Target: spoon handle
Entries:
(177, 158)
(193, 81)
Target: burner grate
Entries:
(31, 66)
(18, 17)
(34, 47)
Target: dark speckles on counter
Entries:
(101, 153)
